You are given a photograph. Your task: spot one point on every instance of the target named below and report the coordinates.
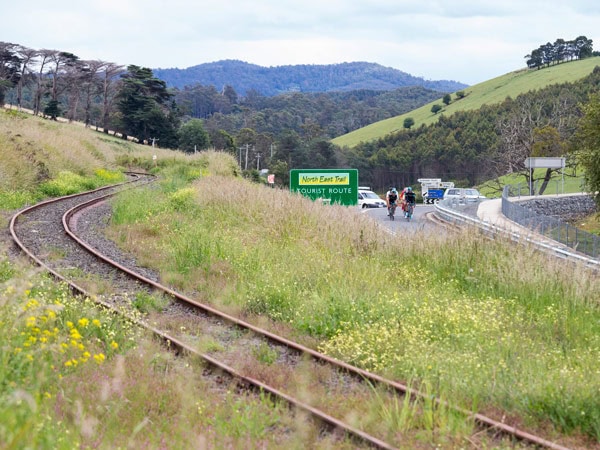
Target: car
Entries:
(463, 194)
(369, 199)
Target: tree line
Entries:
(302, 78)
(560, 51)
(50, 82)
(294, 130)
(471, 147)
(284, 131)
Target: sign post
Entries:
(544, 163)
(331, 185)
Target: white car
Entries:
(369, 199)
(464, 194)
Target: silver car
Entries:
(464, 194)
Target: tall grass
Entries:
(76, 376)
(41, 158)
(484, 322)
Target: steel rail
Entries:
(363, 374)
(171, 341)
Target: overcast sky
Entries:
(462, 40)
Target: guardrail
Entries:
(452, 212)
(551, 227)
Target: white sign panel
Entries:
(545, 163)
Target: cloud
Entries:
(464, 40)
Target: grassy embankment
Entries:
(482, 324)
(75, 376)
(476, 322)
(489, 92)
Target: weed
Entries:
(265, 354)
(146, 303)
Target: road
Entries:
(400, 224)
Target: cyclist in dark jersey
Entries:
(409, 197)
(391, 198)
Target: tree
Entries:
(230, 94)
(144, 108)
(560, 51)
(436, 108)
(52, 109)
(41, 86)
(192, 136)
(447, 99)
(245, 140)
(409, 122)
(222, 140)
(61, 61)
(28, 59)
(281, 170)
(110, 82)
(9, 68)
(547, 142)
(586, 143)
(537, 125)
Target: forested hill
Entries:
(270, 81)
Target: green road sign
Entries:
(333, 185)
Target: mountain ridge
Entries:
(274, 80)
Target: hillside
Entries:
(300, 275)
(490, 92)
(270, 81)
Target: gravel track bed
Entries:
(42, 233)
(324, 387)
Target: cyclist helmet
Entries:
(394, 191)
(408, 189)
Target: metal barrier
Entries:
(551, 227)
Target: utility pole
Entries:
(246, 162)
(258, 161)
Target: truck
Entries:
(432, 189)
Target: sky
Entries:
(469, 41)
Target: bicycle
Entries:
(392, 211)
(408, 213)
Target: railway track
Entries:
(61, 235)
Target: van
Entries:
(369, 199)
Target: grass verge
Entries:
(483, 322)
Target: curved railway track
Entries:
(51, 234)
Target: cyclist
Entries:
(409, 198)
(391, 197)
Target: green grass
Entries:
(67, 183)
(461, 315)
(47, 336)
(571, 183)
(489, 92)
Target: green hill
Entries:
(489, 92)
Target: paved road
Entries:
(400, 224)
